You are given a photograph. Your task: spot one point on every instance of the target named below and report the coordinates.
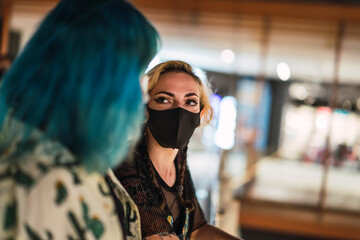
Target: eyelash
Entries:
(189, 102)
(161, 100)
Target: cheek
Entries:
(156, 106)
(193, 109)
(198, 108)
(151, 103)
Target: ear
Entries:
(201, 115)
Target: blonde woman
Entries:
(156, 176)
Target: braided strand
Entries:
(144, 152)
(183, 158)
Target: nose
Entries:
(177, 104)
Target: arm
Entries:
(162, 237)
(209, 232)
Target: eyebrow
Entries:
(172, 95)
(167, 93)
(191, 94)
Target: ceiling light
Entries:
(283, 71)
(227, 56)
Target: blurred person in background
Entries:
(341, 154)
(66, 103)
(157, 176)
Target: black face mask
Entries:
(172, 128)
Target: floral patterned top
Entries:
(46, 194)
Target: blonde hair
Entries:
(179, 66)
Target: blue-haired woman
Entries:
(68, 106)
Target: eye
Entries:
(191, 102)
(162, 100)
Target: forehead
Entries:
(176, 82)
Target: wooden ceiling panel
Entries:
(301, 33)
(306, 10)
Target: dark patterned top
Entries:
(134, 175)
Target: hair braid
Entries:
(182, 157)
(145, 154)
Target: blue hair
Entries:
(77, 80)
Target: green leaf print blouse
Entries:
(46, 195)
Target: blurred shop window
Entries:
(225, 131)
(253, 117)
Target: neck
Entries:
(162, 159)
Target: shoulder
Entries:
(133, 168)
(134, 177)
(128, 168)
(134, 181)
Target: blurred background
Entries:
(281, 158)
